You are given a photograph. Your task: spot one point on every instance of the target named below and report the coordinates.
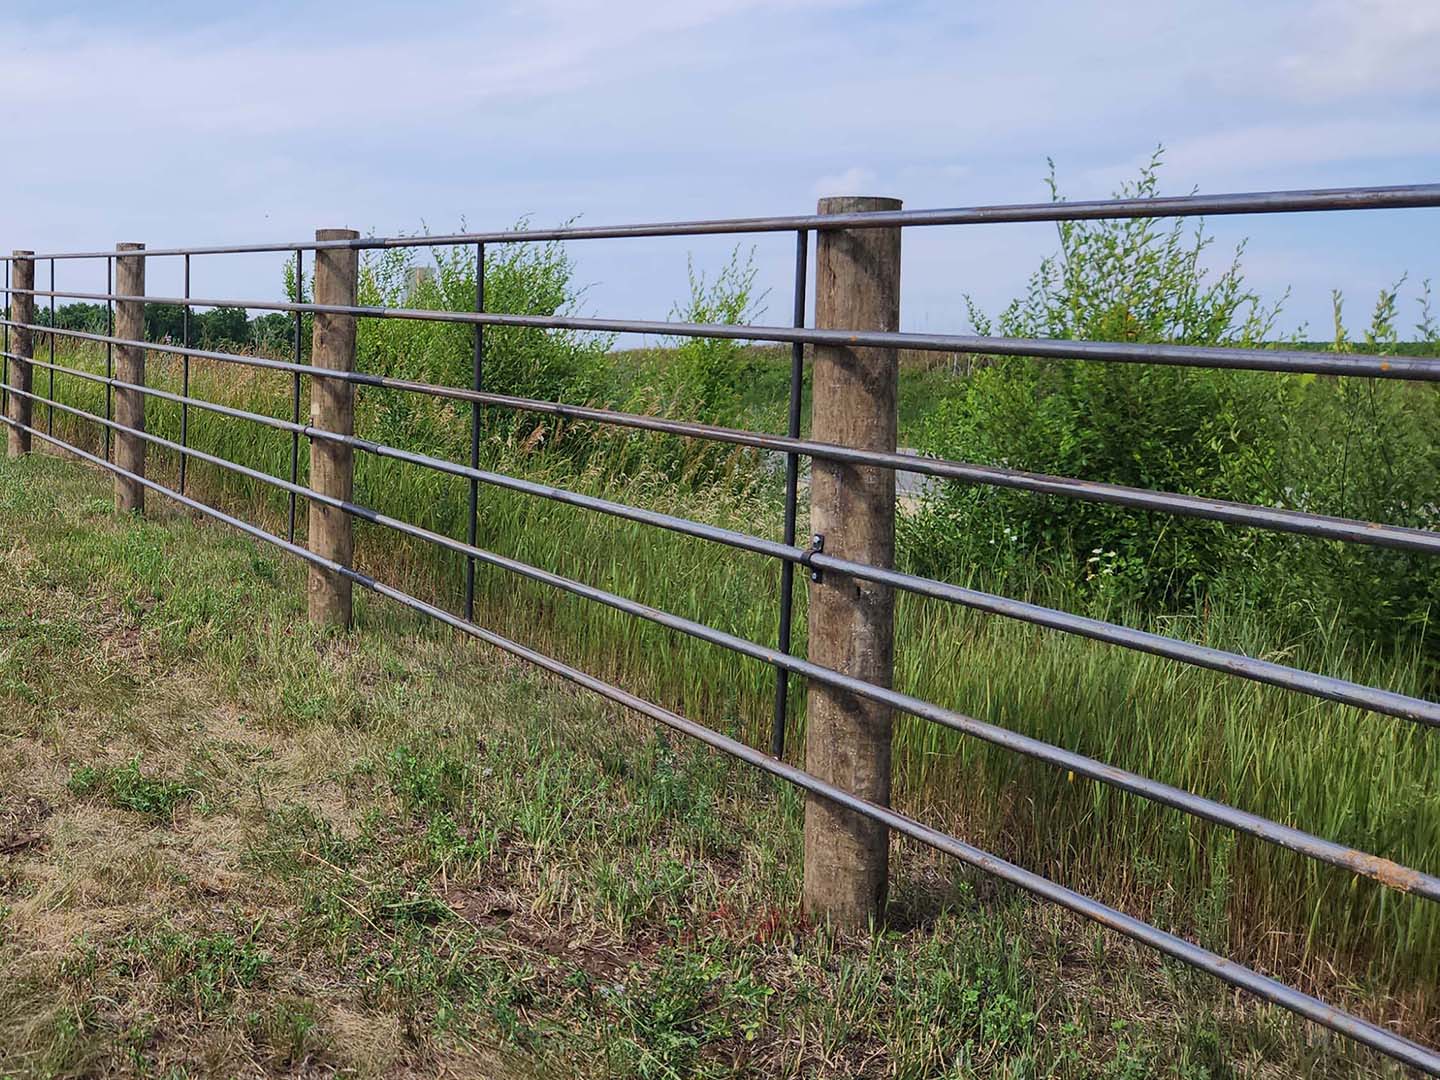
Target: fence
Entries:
(849, 557)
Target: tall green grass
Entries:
(1365, 780)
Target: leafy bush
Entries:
(707, 377)
(1214, 433)
(520, 279)
(704, 379)
(1363, 448)
(1367, 449)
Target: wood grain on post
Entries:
(22, 344)
(332, 408)
(852, 507)
(130, 368)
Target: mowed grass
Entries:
(231, 846)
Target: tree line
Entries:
(217, 328)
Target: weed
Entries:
(126, 787)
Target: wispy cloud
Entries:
(853, 181)
(171, 122)
(1369, 48)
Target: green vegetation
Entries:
(126, 787)
(1365, 448)
(1362, 448)
(220, 328)
(408, 857)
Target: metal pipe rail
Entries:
(1268, 989)
(1277, 519)
(1269, 672)
(1293, 361)
(1385, 871)
(1394, 197)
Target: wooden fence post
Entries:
(332, 408)
(130, 368)
(22, 344)
(852, 516)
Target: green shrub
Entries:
(1214, 433)
(1362, 448)
(707, 377)
(703, 379)
(1366, 449)
(520, 279)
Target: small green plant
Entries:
(200, 971)
(663, 1021)
(708, 376)
(126, 787)
(288, 1029)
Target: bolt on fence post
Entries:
(22, 310)
(852, 514)
(332, 408)
(130, 368)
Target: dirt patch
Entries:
(21, 823)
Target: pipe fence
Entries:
(849, 560)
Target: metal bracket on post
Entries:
(817, 545)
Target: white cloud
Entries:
(264, 124)
(1365, 47)
(853, 181)
(1242, 158)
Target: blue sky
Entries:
(175, 123)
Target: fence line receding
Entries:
(848, 556)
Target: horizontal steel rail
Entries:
(1385, 871)
(1356, 1028)
(1269, 672)
(1277, 519)
(1254, 516)
(1395, 197)
(1265, 671)
(166, 395)
(1293, 361)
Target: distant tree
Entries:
(164, 322)
(222, 327)
(87, 318)
(274, 332)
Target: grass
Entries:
(126, 787)
(232, 846)
(925, 379)
(1280, 755)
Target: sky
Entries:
(176, 123)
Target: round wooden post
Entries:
(130, 368)
(332, 408)
(22, 344)
(852, 516)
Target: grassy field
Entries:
(231, 847)
(1281, 755)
